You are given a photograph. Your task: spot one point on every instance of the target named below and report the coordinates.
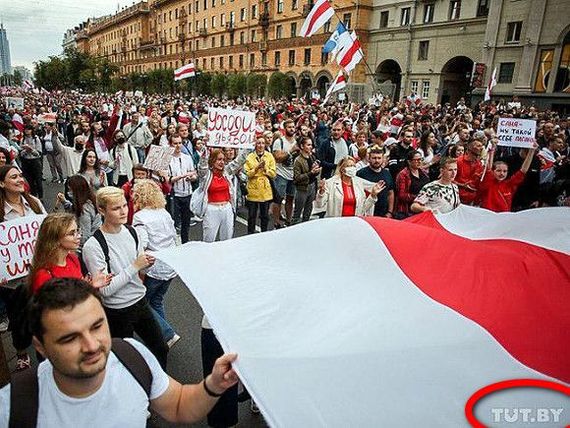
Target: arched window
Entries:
(562, 83)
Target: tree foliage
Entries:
(219, 84)
(237, 85)
(256, 84)
(277, 86)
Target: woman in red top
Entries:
(496, 190)
(54, 256)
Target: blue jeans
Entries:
(141, 154)
(155, 291)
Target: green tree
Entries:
(256, 84)
(219, 84)
(204, 84)
(237, 85)
(17, 78)
(277, 85)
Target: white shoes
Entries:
(173, 341)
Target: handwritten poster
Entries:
(516, 132)
(231, 128)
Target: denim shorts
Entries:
(283, 187)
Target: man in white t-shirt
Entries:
(82, 383)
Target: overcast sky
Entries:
(35, 28)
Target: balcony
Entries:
(203, 32)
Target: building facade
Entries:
(528, 42)
(259, 36)
(428, 47)
(5, 59)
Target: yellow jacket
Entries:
(258, 186)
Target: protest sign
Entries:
(15, 102)
(516, 132)
(17, 242)
(139, 94)
(47, 118)
(231, 128)
(158, 158)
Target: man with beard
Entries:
(138, 135)
(71, 156)
(284, 150)
(89, 379)
(375, 173)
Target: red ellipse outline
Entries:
(508, 384)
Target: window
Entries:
(251, 60)
(205, 23)
(295, 5)
(405, 16)
(232, 17)
(197, 6)
(197, 45)
(425, 89)
(423, 50)
(327, 27)
(279, 6)
(242, 37)
(293, 29)
(213, 44)
(241, 61)
(506, 70)
(384, 19)
(264, 59)
(428, 13)
(514, 31)
(222, 41)
(221, 62)
(212, 63)
(454, 9)
(278, 32)
(307, 56)
(205, 4)
(213, 21)
(562, 82)
(483, 8)
(254, 11)
(277, 58)
(414, 86)
(242, 14)
(253, 35)
(223, 19)
(213, 3)
(324, 58)
(347, 20)
(170, 15)
(175, 15)
(231, 39)
(231, 62)
(291, 57)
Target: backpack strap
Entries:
(24, 399)
(98, 235)
(134, 362)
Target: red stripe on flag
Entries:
(320, 10)
(185, 71)
(350, 53)
(516, 291)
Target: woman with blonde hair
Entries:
(344, 194)
(153, 221)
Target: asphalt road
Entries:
(185, 315)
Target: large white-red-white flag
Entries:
(350, 54)
(491, 85)
(393, 323)
(321, 12)
(185, 71)
(338, 84)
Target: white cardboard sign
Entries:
(158, 158)
(15, 103)
(231, 128)
(516, 132)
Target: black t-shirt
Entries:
(381, 207)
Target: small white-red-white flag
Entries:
(338, 84)
(491, 85)
(185, 71)
(321, 12)
(413, 98)
(350, 55)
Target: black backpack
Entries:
(24, 387)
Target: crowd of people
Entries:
(309, 160)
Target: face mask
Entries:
(120, 140)
(101, 133)
(350, 171)
(78, 147)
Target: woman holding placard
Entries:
(15, 203)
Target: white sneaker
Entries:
(173, 341)
(4, 325)
(253, 407)
(197, 219)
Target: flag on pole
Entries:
(368, 325)
(491, 85)
(338, 39)
(351, 54)
(338, 84)
(28, 85)
(184, 72)
(321, 12)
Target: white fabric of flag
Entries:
(491, 85)
(338, 84)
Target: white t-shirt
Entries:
(284, 144)
(120, 401)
